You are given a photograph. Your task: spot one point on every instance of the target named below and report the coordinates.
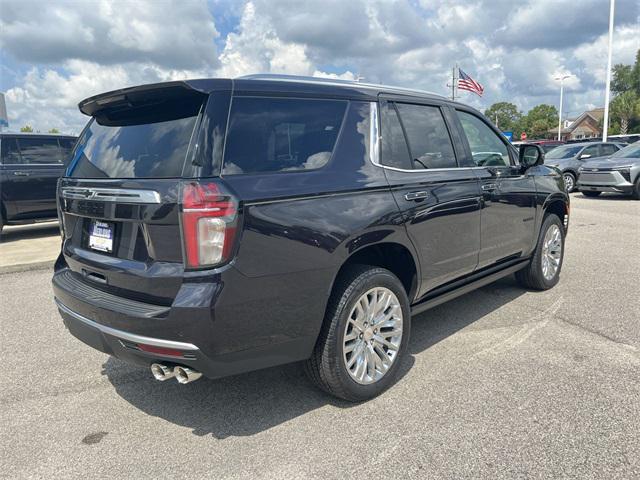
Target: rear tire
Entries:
(588, 193)
(350, 359)
(543, 271)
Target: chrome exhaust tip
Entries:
(162, 372)
(185, 374)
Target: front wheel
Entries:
(636, 189)
(569, 181)
(364, 336)
(543, 272)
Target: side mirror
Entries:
(530, 155)
(584, 156)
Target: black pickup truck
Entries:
(30, 166)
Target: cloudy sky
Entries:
(55, 53)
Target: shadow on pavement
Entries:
(254, 402)
(25, 232)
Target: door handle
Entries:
(21, 174)
(489, 187)
(415, 196)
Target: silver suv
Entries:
(569, 158)
(619, 173)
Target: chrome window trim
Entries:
(121, 195)
(156, 342)
(375, 145)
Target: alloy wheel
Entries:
(372, 336)
(551, 252)
(569, 183)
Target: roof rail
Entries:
(330, 81)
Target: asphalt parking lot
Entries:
(500, 383)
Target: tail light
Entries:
(209, 218)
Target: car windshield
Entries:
(631, 151)
(564, 152)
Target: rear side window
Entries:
(280, 134)
(395, 152)
(149, 143)
(36, 150)
(10, 153)
(428, 137)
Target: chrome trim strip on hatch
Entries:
(120, 195)
(156, 342)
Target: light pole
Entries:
(605, 127)
(561, 78)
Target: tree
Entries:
(26, 128)
(625, 107)
(504, 114)
(54, 130)
(621, 79)
(539, 120)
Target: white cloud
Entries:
(514, 49)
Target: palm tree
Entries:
(625, 106)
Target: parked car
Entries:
(212, 227)
(30, 165)
(568, 158)
(619, 173)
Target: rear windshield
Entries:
(148, 149)
(281, 134)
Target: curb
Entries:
(27, 267)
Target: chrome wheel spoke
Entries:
(372, 335)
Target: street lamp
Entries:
(561, 78)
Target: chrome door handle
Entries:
(21, 174)
(415, 196)
(489, 187)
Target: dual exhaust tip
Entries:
(182, 374)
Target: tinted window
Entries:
(486, 146)
(592, 151)
(564, 152)
(151, 150)
(428, 137)
(39, 150)
(395, 152)
(608, 149)
(66, 145)
(280, 135)
(10, 153)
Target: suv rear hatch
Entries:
(120, 201)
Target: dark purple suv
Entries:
(213, 227)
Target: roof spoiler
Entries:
(149, 94)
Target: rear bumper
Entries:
(196, 334)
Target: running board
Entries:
(466, 288)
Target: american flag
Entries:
(465, 82)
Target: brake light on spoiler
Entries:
(209, 220)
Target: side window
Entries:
(10, 153)
(592, 151)
(428, 137)
(486, 146)
(39, 150)
(608, 149)
(395, 152)
(281, 134)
